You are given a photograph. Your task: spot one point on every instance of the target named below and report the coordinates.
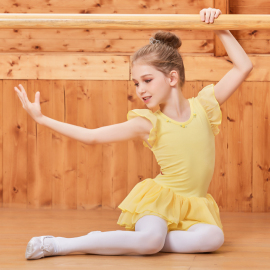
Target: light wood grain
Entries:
(55, 66)
(115, 156)
(116, 6)
(133, 21)
(97, 45)
(261, 145)
(74, 69)
(42, 169)
(89, 157)
(40, 152)
(15, 184)
(223, 6)
(1, 144)
(246, 245)
(103, 34)
(69, 67)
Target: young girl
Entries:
(172, 212)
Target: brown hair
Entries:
(163, 55)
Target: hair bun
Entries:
(169, 39)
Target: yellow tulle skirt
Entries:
(150, 198)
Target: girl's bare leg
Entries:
(148, 238)
(198, 238)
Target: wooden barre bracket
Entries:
(134, 21)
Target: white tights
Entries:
(150, 236)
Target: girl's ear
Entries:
(173, 78)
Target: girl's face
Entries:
(152, 83)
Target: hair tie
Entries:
(153, 40)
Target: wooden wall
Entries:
(84, 79)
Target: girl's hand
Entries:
(33, 109)
(208, 15)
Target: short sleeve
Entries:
(211, 106)
(150, 116)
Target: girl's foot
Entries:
(38, 248)
(94, 232)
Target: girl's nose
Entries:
(141, 91)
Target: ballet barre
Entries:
(133, 21)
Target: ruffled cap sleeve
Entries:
(150, 116)
(211, 106)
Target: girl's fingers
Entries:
(208, 15)
(23, 90)
(20, 99)
(202, 14)
(218, 12)
(20, 95)
(23, 103)
(24, 94)
(212, 15)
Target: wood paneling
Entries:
(87, 40)
(40, 155)
(69, 67)
(89, 157)
(100, 67)
(253, 40)
(43, 169)
(84, 79)
(249, 7)
(107, 6)
(101, 45)
(1, 143)
(223, 6)
(57, 35)
(261, 148)
(115, 156)
(14, 148)
(239, 116)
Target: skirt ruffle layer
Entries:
(150, 198)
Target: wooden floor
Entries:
(247, 242)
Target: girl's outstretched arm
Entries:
(242, 67)
(135, 128)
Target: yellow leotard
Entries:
(186, 155)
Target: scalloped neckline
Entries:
(176, 122)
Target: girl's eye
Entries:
(136, 84)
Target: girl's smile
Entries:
(147, 99)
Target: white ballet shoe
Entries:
(36, 249)
(94, 232)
